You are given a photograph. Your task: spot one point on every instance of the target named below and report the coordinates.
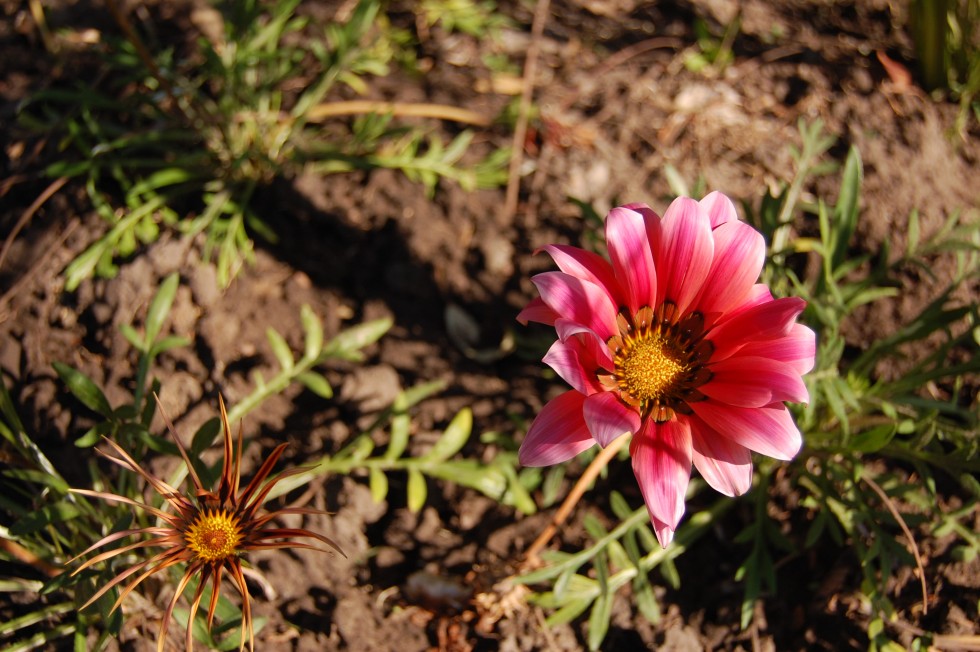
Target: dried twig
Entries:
(520, 129)
(36, 267)
(593, 470)
(400, 109)
(52, 188)
(890, 504)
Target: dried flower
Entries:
(672, 340)
(209, 531)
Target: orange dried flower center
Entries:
(659, 360)
(214, 535)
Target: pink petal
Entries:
(608, 417)
(662, 455)
(579, 300)
(632, 261)
(767, 430)
(557, 434)
(599, 356)
(648, 213)
(536, 310)
(763, 321)
(750, 381)
(724, 464)
(740, 252)
(589, 266)
(684, 253)
(797, 349)
(720, 209)
(566, 358)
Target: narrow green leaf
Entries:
(456, 435)
(418, 393)
(358, 450)
(873, 440)
(847, 206)
(592, 525)
(205, 436)
(489, 480)
(92, 436)
(34, 617)
(620, 507)
(670, 573)
(551, 485)
(516, 494)
(167, 343)
(56, 483)
(54, 513)
(41, 638)
(284, 355)
(348, 343)
(314, 333)
(913, 234)
(416, 490)
(816, 529)
(645, 600)
(561, 583)
(400, 425)
(379, 484)
(599, 620)
(316, 383)
(572, 610)
(84, 389)
(133, 337)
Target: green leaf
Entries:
(205, 436)
(284, 355)
(400, 426)
(456, 435)
(347, 344)
(316, 383)
(94, 435)
(620, 507)
(84, 389)
(516, 493)
(599, 620)
(160, 308)
(314, 333)
(54, 513)
(167, 343)
(645, 600)
(379, 484)
(133, 337)
(873, 440)
(489, 480)
(416, 490)
(552, 485)
(569, 612)
(56, 483)
(847, 207)
(41, 615)
(561, 583)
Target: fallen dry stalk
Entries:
(593, 470)
(398, 109)
(908, 535)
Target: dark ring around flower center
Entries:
(659, 359)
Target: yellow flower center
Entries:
(651, 367)
(659, 360)
(214, 535)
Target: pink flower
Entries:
(671, 340)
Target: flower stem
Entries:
(597, 464)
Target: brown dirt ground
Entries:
(371, 244)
